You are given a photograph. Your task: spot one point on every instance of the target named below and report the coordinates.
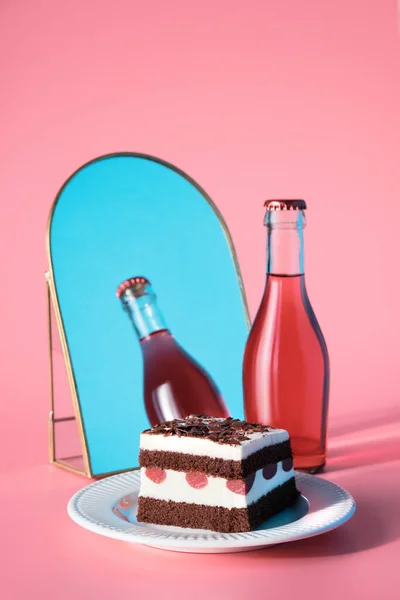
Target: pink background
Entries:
(253, 99)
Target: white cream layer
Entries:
(215, 493)
(205, 447)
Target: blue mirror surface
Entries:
(126, 215)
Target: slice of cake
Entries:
(213, 473)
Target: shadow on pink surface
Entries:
(375, 523)
(364, 452)
(342, 425)
(365, 440)
(372, 526)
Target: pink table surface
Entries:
(46, 555)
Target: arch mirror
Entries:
(120, 216)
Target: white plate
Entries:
(321, 507)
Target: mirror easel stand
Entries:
(73, 456)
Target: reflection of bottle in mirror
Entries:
(175, 385)
(286, 365)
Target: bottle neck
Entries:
(285, 242)
(144, 313)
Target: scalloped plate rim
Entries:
(338, 506)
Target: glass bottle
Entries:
(175, 385)
(286, 363)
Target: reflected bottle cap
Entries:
(137, 285)
(285, 205)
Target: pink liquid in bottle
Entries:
(175, 385)
(286, 365)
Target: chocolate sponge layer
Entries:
(217, 467)
(217, 518)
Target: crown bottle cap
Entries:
(285, 205)
(137, 285)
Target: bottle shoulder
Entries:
(285, 316)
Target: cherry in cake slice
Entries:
(212, 473)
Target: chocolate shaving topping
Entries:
(223, 431)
